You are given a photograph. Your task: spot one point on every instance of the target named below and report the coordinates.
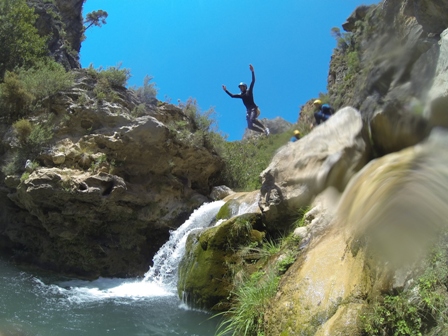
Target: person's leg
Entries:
(318, 117)
(254, 115)
(250, 117)
(259, 124)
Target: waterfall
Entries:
(161, 278)
(167, 259)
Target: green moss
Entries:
(226, 210)
(206, 273)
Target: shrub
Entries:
(26, 85)
(45, 78)
(36, 134)
(40, 135)
(199, 128)
(147, 92)
(24, 176)
(114, 75)
(139, 110)
(15, 99)
(23, 129)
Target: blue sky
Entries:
(193, 47)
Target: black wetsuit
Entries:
(251, 108)
(247, 96)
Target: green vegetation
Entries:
(198, 128)
(21, 45)
(252, 297)
(25, 88)
(343, 39)
(246, 159)
(95, 18)
(45, 79)
(110, 77)
(147, 92)
(255, 281)
(419, 309)
(23, 129)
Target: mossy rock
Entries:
(205, 272)
(226, 210)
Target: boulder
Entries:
(206, 270)
(220, 192)
(329, 156)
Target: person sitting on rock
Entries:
(252, 110)
(323, 111)
(296, 136)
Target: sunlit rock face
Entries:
(388, 218)
(329, 156)
(107, 189)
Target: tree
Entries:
(96, 18)
(21, 44)
(342, 39)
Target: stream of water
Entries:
(38, 304)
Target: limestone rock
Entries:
(58, 158)
(388, 219)
(432, 15)
(220, 192)
(62, 22)
(390, 60)
(329, 156)
(358, 14)
(205, 274)
(109, 186)
(394, 129)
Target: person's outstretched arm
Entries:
(231, 94)
(253, 77)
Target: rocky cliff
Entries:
(387, 65)
(368, 258)
(103, 193)
(62, 22)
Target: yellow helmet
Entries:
(296, 132)
(317, 102)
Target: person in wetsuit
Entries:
(252, 110)
(322, 111)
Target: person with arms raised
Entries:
(252, 110)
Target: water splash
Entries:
(167, 259)
(159, 281)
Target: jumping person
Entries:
(252, 110)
